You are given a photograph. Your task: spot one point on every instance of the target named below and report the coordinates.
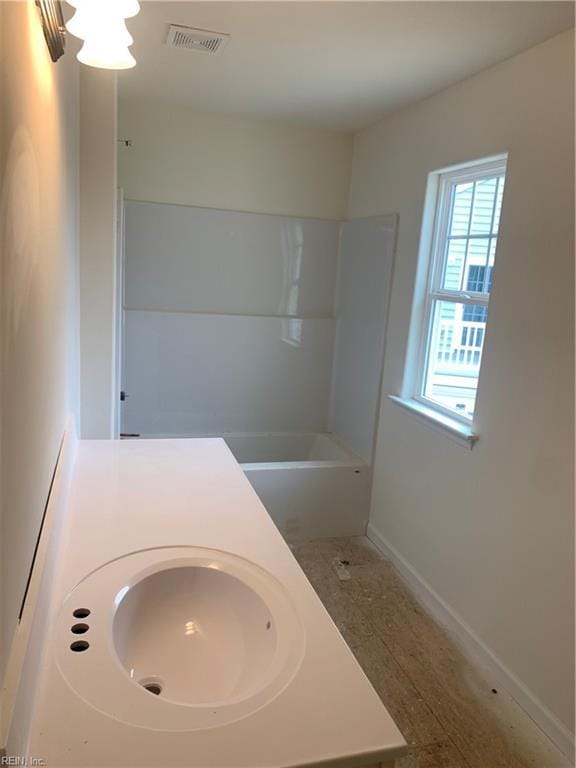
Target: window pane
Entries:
(498, 208)
(468, 257)
(475, 280)
(492, 252)
(454, 265)
(476, 260)
(475, 314)
(471, 237)
(484, 196)
(455, 352)
(461, 208)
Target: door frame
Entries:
(118, 363)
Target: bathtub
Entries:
(311, 484)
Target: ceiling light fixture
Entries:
(53, 26)
(101, 25)
(126, 8)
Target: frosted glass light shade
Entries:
(92, 23)
(100, 24)
(124, 8)
(100, 54)
(129, 8)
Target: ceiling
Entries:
(339, 65)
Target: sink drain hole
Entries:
(152, 686)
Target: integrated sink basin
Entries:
(195, 635)
(179, 638)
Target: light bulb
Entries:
(104, 56)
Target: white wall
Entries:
(221, 161)
(491, 530)
(98, 118)
(39, 283)
(228, 321)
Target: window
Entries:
(462, 258)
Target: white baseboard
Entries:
(473, 647)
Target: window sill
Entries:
(452, 428)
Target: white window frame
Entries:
(446, 182)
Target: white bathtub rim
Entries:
(353, 459)
(316, 464)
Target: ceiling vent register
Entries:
(196, 39)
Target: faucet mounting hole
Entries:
(79, 629)
(81, 613)
(79, 645)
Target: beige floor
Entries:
(446, 709)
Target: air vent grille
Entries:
(195, 39)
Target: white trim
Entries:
(472, 167)
(474, 648)
(118, 312)
(449, 426)
(439, 412)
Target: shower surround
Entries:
(267, 330)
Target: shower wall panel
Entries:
(228, 320)
(364, 282)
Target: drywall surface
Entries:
(491, 530)
(98, 250)
(222, 161)
(365, 268)
(228, 321)
(39, 284)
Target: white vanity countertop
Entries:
(128, 496)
